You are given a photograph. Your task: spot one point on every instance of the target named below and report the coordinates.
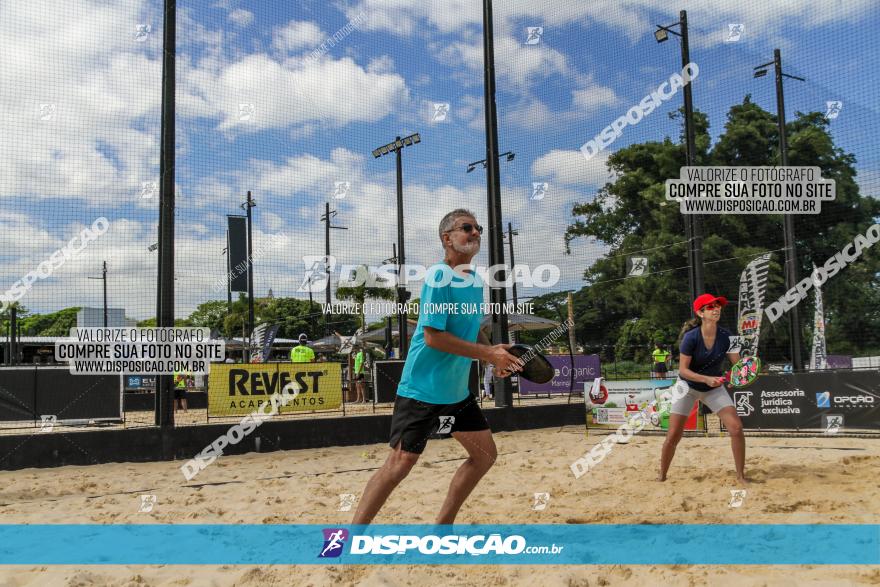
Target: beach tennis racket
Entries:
(536, 367)
(743, 373)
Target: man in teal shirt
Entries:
(433, 395)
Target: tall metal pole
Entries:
(165, 311)
(327, 259)
(13, 331)
(791, 277)
(250, 265)
(104, 277)
(696, 236)
(228, 276)
(510, 232)
(497, 295)
(401, 260)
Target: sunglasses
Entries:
(468, 227)
(711, 306)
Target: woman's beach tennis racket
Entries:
(743, 373)
(536, 367)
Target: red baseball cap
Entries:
(706, 299)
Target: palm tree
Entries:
(361, 291)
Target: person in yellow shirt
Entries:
(181, 383)
(359, 381)
(302, 353)
(660, 357)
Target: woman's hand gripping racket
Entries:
(743, 373)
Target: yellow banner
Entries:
(238, 390)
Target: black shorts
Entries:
(359, 377)
(660, 367)
(179, 393)
(413, 421)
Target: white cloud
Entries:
(571, 168)
(515, 63)
(241, 17)
(297, 35)
(635, 19)
(335, 93)
(592, 98)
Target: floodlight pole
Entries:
(497, 295)
(791, 277)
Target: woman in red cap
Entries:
(703, 346)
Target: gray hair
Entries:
(449, 220)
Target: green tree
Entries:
(358, 290)
(210, 314)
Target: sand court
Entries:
(794, 481)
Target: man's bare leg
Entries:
(481, 456)
(397, 466)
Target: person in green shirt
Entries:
(359, 376)
(302, 353)
(660, 357)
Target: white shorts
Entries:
(716, 399)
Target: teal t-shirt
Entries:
(452, 303)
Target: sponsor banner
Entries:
(634, 391)
(818, 354)
(614, 416)
(479, 544)
(140, 382)
(237, 253)
(238, 390)
(752, 287)
(261, 341)
(866, 362)
(804, 400)
(586, 368)
(838, 362)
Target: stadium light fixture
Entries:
(402, 294)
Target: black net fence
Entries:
(294, 106)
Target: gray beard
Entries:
(468, 249)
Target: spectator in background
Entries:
(301, 353)
(661, 357)
(359, 376)
(181, 382)
(488, 375)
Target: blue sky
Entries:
(315, 122)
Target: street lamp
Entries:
(104, 278)
(248, 206)
(402, 295)
(326, 219)
(692, 222)
(791, 274)
(471, 166)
